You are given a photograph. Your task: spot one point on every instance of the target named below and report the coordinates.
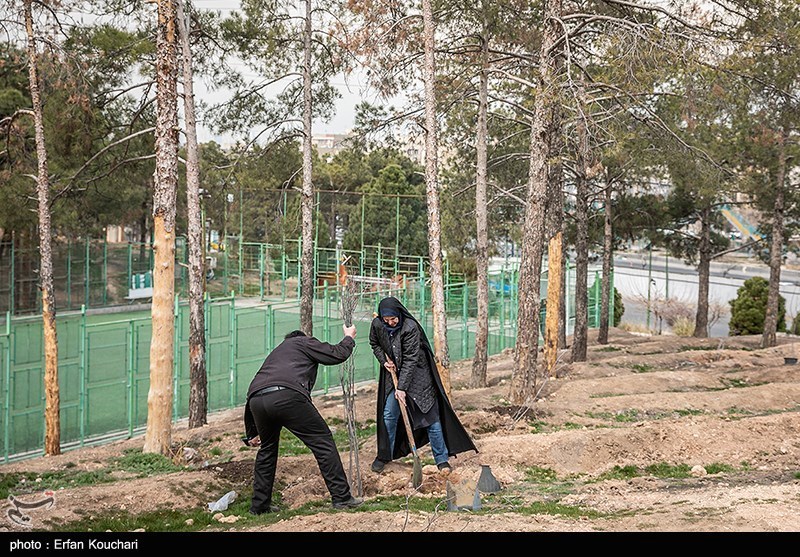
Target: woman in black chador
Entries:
(397, 334)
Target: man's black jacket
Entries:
(293, 364)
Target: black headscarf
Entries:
(391, 307)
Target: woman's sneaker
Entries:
(444, 467)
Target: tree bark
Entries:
(608, 260)
(769, 337)
(158, 435)
(52, 416)
(307, 196)
(581, 333)
(440, 349)
(482, 220)
(704, 274)
(198, 381)
(553, 302)
(523, 379)
(562, 307)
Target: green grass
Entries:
(631, 415)
(642, 368)
(797, 475)
(558, 509)
(606, 395)
(717, 467)
(666, 470)
(571, 425)
(738, 383)
(540, 475)
(609, 349)
(13, 484)
(145, 464)
(620, 473)
(688, 412)
(734, 410)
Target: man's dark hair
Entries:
(297, 333)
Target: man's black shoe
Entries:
(444, 466)
(272, 509)
(377, 465)
(351, 503)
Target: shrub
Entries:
(749, 308)
(683, 327)
(796, 325)
(619, 307)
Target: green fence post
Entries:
(105, 269)
(502, 310)
(379, 260)
(11, 304)
(176, 371)
(131, 371)
(271, 328)
(283, 273)
(7, 390)
(325, 333)
(82, 374)
(465, 320)
(69, 274)
(261, 271)
(241, 270)
(86, 271)
(396, 231)
(232, 379)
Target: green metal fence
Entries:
(104, 358)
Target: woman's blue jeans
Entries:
(391, 415)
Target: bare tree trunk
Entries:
(482, 231)
(769, 337)
(307, 197)
(523, 380)
(555, 222)
(553, 302)
(440, 350)
(704, 273)
(581, 333)
(52, 417)
(608, 259)
(198, 382)
(158, 435)
(562, 307)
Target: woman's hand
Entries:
(400, 396)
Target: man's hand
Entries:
(401, 397)
(390, 367)
(349, 331)
(255, 441)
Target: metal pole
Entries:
(241, 232)
(666, 270)
(7, 389)
(396, 231)
(69, 274)
(261, 271)
(502, 310)
(131, 371)
(105, 269)
(86, 270)
(325, 333)
(82, 375)
(232, 379)
(13, 286)
(649, 282)
(464, 320)
(363, 200)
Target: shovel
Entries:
(416, 478)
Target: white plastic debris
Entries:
(222, 503)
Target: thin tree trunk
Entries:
(198, 389)
(440, 350)
(704, 273)
(608, 259)
(307, 198)
(52, 417)
(523, 380)
(158, 435)
(580, 335)
(769, 337)
(482, 231)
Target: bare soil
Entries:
(722, 407)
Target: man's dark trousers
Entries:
(292, 410)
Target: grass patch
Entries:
(599, 415)
(631, 415)
(146, 464)
(558, 509)
(736, 411)
(666, 470)
(688, 412)
(18, 483)
(717, 467)
(738, 383)
(540, 475)
(606, 395)
(620, 473)
(797, 475)
(609, 349)
(642, 368)
(571, 425)
(685, 348)
(537, 426)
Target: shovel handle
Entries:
(403, 410)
